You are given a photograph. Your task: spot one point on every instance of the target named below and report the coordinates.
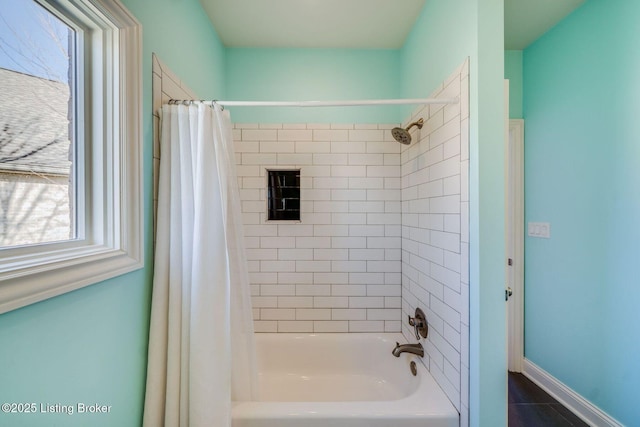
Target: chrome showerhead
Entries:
(402, 135)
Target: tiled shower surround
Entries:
(383, 230)
(435, 236)
(338, 269)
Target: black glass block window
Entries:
(284, 195)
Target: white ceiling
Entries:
(362, 24)
(526, 20)
(366, 24)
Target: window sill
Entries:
(60, 272)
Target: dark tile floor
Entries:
(530, 406)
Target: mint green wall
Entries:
(182, 35)
(513, 72)
(581, 107)
(434, 49)
(312, 75)
(446, 32)
(87, 346)
(90, 345)
(486, 186)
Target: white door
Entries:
(514, 223)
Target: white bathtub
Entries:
(341, 380)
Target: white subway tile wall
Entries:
(338, 269)
(435, 236)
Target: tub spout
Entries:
(408, 348)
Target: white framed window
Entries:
(69, 222)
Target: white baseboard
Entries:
(577, 404)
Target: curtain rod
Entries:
(409, 101)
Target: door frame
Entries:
(514, 223)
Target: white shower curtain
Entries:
(201, 352)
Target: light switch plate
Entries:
(539, 229)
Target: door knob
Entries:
(507, 293)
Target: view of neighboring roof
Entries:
(34, 124)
